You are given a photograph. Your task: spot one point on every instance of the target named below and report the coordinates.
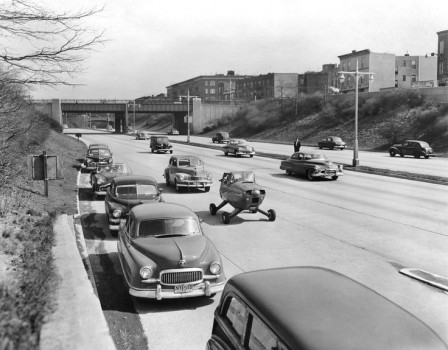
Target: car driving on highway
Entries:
(415, 148)
(311, 165)
(187, 172)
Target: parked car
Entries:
(239, 189)
(187, 172)
(221, 137)
(160, 144)
(142, 135)
(238, 147)
(173, 132)
(96, 157)
(125, 192)
(332, 142)
(101, 177)
(312, 308)
(311, 165)
(414, 148)
(164, 254)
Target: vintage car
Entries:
(414, 148)
(238, 147)
(165, 255)
(312, 308)
(160, 143)
(311, 165)
(125, 192)
(98, 145)
(173, 132)
(96, 157)
(187, 172)
(101, 177)
(221, 137)
(332, 142)
(142, 135)
(239, 189)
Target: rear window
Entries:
(136, 191)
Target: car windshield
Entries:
(424, 144)
(315, 156)
(98, 152)
(189, 162)
(169, 227)
(136, 191)
(242, 176)
(238, 142)
(97, 145)
(116, 168)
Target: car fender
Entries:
(178, 175)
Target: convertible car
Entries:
(238, 147)
(102, 176)
(187, 172)
(165, 255)
(97, 157)
(311, 165)
(239, 189)
(125, 192)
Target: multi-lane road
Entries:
(365, 226)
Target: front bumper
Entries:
(94, 165)
(194, 183)
(328, 173)
(114, 224)
(245, 153)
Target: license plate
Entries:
(182, 288)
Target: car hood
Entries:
(99, 158)
(107, 177)
(130, 203)
(196, 171)
(168, 251)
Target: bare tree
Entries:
(41, 47)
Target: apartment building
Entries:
(442, 58)
(415, 71)
(323, 81)
(270, 85)
(207, 87)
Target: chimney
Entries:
(231, 72)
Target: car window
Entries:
(136, 191)
(295, 156)
(168, 227)
(236, 316)
(261, 337)
(424, 144)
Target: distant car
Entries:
(332, 142)
(311, 165)
(160, 144)
(173, 132)
(64, 126)
(221, 137)
(110, 128)
(98, 145)
(187, 172)
(238, 147)
(125, 192)
(413, 148)
(164, 254)
(312, 308)
(102, 176)
(142, 135)
(97, 157)
(239, 189)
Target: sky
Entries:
(153, 44)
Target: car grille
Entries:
(195, 178)
(172, 277)
(256, 200)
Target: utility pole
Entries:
(188, 97)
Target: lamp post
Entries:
(188, 97)
(133, 114)
(356, 74)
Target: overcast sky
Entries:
(153, 44)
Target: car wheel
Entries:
(272, 215)
(167, 179)
(152, 150)
(251, 155)
(226, 217)
(335, 177)
(320, 146)
(309, 175)
(392, 153)
(331, 148)
(416, 155)
(288, 172)
(426, 157)
(207, 188)
(226, 153)
(176, 186)
(401, 155)
(212, 209)
(171, 151)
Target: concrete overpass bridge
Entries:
(203, 114)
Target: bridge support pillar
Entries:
(121, 123)
(56, 110)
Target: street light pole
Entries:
(188, 97)
(133, 128)
(356, 74)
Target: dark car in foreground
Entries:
(311, 165)
(96, 157)
(221, 137)
(125, 192)
(238, 147)
(413, 148)
(165, 255)
(187, 172)
(160, 144)
(101, 177)
(312, 308)
(332, 142)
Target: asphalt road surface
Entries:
(365, 226)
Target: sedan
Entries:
(142, 135)
(187, 172)
(102, 176)
(311, 165)
(332, 142)
(415, 148)
(96, 157)
(125, 192)
(164, 254)
(238, 147)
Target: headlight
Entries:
(208, 177)
(116, 213)
(215, 268)
(256, 193)
(340, 166)
(100, 181)
(182, 177)
(88, 160)
(146, 272)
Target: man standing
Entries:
(297, 145)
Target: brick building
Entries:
(442, 58)
(271, 85)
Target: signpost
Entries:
(45, 168)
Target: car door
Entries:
(172, 168)
(299, 164)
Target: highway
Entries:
(365, 226)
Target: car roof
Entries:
(162, 210)
(415, 141)
(134, 179)
(185, 156)
(318, 308)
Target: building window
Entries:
(206, 83)
(442, 47)
(212, 91)
(413, 78)
(404, 77)
(396, 70)
(206, 91)
(396, 83)
(404, 63)
(212, 83)
(414, 64)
